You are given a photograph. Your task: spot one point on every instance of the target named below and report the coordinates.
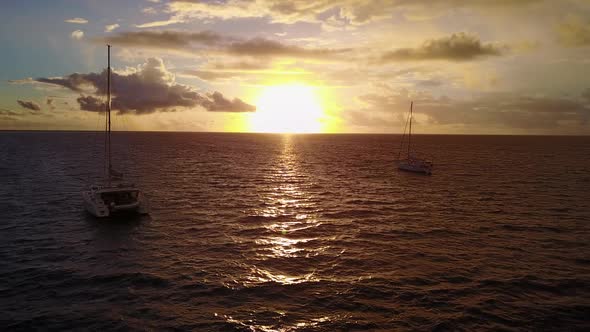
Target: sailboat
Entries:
(113, 195)
(412, 163)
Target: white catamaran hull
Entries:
(104, 202)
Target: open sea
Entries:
(262, 232)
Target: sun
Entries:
(291, 108)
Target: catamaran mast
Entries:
(109, 113)
(410, 132)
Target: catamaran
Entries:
(113, 195)
(412, 163)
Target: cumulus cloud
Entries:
(77, 20)
(457, 47)
(111, 27)
(77, 34)
(574, 33)
(146, 89)
(31, 105)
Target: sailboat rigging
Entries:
(412, 163)
(113, 196)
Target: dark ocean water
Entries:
(253, 232)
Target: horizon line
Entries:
(274, 133)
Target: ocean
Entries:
(265, 232)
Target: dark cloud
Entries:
(206, 40)
(218, 103)
(162, 39)
(457, 47)
(91, 104)
(148, 89)
(265, 47)
(76, 82)
(33, 106)
(574, 33)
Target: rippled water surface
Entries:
(253, 232)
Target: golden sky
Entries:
(477, 67)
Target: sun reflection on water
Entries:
(305, 326)
(288, 217)
(283, 235)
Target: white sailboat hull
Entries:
(415, 165)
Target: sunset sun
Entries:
(287, 109)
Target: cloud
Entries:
(239, 71)
(509, 111)
(159, 23)
(75, 82)
(33, 106)
(111, 27)
(218, 103)
(91, 104)
(8, 113)
(149, 11)
(574, 33)
(146, 89)
(265, 47)
(162, 39)
(348, 12)
(78, 34)
(457, 47)
(241, 65)
(210, 75)
(77, 20)
(27, 80)
(206, 40)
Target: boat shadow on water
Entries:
(118, 221)
(115, 232)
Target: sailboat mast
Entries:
(109, 110)
(410, 132)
